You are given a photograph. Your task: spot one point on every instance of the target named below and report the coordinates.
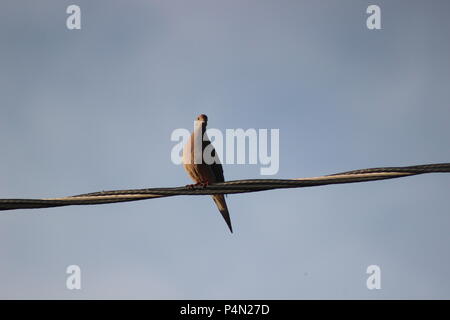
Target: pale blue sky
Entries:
(93, 109)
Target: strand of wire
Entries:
(228, 187)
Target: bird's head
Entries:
(203, 119)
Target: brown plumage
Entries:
(204, 173)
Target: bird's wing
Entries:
(216, 167)
(218, 171)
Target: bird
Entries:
(204, 172)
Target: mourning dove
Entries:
(201, 169)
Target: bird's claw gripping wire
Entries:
(202, 184)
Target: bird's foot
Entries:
(204, 184)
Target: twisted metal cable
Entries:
(228, 187)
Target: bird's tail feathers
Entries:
(219, 199)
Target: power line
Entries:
(228, 187)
